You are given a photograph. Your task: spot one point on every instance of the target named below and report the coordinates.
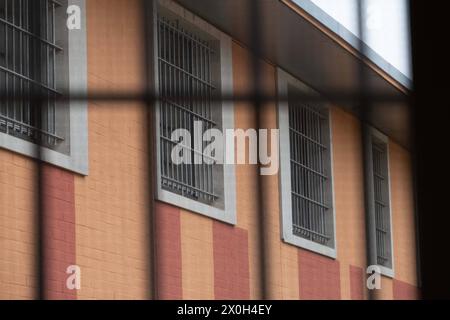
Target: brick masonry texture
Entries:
(18, 256)
(195, 257)
(58, 233)
(357, 283)
(348, 183)
(318, 276)
(405, 291)
(168, 251)
(231, 268)
(112, 202)
(280, 269)
(403, 221)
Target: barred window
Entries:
(306, 184)
(309, 150)
(186, 91)
(28, 53)
(193, 71)
(381, 203)
(40, 62)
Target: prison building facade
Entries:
(92, 183)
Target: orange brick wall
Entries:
(196, 257)
(348, 195)
(284, 268)
(112, 204)
(357, 283)
(247, 202)
(168, 252)
(58, 232)
(403, 222)
(17, 226)
(319, 277)
(231, 269)
(280, 269)
(405, 291)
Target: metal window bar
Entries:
(309, 181)
(184, 62)
(28, 52)
(381, 194)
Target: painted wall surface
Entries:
(101, 222)
(17, 233)
(402, 200)
(349, 199)
(112, 204)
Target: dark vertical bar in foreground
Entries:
(431, 116)
(36, 104)
(255, 28)
(148, 22)
(40, 222)
(365, 108)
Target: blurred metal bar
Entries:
(150, 37)
(431, 114)
(253, 23)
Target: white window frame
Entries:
(77, 159)
(374, 133)
(228, 214)
(284, 80)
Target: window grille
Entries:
(309, 149)
(185, 90)
(28, 53)
(381, 198)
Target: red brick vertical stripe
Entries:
(168, 252)
(405, 291)
(356, 283)
(58, 233)
(319, 277)
(231, 262)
